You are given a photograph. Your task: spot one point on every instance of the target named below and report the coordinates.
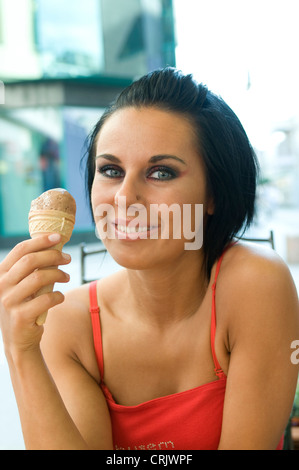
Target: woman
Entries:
(137, 360)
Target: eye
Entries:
(162, 173)
(110, 171)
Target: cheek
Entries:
(101, 193)
(93, 196)
(97, 199)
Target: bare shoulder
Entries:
(249, 266)
(67, 331)
(68, 328)
(72, 313)
(256, 288)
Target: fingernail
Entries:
(66, 256)
(54, 237)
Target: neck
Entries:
(170, 293)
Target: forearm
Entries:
(45, 421)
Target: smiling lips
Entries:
(126, 227)
(134, 229)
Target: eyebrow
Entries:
(154, 159)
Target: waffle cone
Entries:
(50, 221)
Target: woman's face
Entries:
(148, 180)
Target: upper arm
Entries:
(261, 379)
(65, 331)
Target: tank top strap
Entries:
(96, 326)
(218, 371)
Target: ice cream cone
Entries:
(51, 220)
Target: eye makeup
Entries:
(110, 171)
(164, 173)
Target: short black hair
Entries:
(230, 162)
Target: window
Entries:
(69, 40)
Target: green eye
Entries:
(110, 171)
(162, 173)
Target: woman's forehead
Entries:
(148, 125)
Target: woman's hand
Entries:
(20, 279)
(80, 419)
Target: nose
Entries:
(129, 191)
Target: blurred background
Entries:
(62, 62)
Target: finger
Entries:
(33, 261)
(28, 246)
(29, 286)
(27, 312)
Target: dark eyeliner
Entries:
(166, 169)
(102, 170)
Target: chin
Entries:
(132, 259)
(145, 255)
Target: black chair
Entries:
(84, 252)
(269, 239)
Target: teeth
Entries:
(123, 228)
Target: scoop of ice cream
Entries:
(53, 211)
(55, 199)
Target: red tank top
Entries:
(189, 420)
